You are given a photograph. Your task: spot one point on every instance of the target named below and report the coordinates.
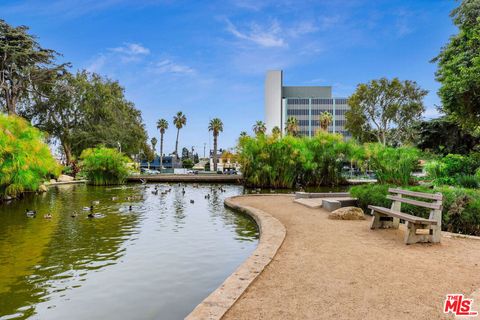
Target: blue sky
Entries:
(209, 58)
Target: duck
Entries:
(130, 208)
(91, 215)
(74, 214)
(30, 213)
(114, 198)
(88, 208)
(95, 202)
(47, 216)
(191, 201)
(183, 190)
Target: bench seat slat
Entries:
(430, 205)
(403, 216)
(432, 196)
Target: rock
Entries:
(64, 178)
(347, 213)
(53, 180)
(42, 188)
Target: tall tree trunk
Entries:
(161, 152)
(215, 152)
(68, 152)
(11, 106)
(176, 143)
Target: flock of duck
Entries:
(33, 213)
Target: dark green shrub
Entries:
(25, 160)
(454, 169)
(187, 163)
(104, 166)
(461, 207)
(467, 181)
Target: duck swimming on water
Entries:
(30, 213)
(88, 208)
(47, 216)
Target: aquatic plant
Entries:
(270, 161)
(25, 159)
(104, 166)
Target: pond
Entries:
(155, 261)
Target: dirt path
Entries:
(330, 269)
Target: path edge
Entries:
(272, 234)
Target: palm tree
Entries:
(292, 126)
(162, 125)
(243, 134)
(259, 127)
(276, 131)
(216, 126)
(326, 119)
(179, 120)
(154, 143)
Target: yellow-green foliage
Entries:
(25, 159)
(283, 162)
(104, 166)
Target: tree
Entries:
(276, 131)
(292, 126)
(179, 120)
(385, 105)
(24, 64)
(259, 127)
(153, 141)
(243, 134)
(444, 136)
(86, 110)
(326, 119)
(459, 67)
(215, 126)
(162, 125)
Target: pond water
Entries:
(155, 261)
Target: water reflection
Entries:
(157, 260)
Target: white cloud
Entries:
(132, 49)
(97, 64)
(131, 52)
(169, 66)
(266, 37)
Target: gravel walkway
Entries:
(331, 269)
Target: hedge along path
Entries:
(332, 269)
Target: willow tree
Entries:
(292, 126)
(162, 126)
(259, 127)
(179, 120)
(24, 64)
(326, 119)
(215, 126)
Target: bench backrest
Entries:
(397, 196)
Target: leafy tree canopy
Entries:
(24, 65)
(444, 136)
(459, 67)
(381, 105)
(86, 110)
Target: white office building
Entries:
(305, 103)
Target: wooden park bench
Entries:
(390, 218)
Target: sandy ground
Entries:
(332, 269)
